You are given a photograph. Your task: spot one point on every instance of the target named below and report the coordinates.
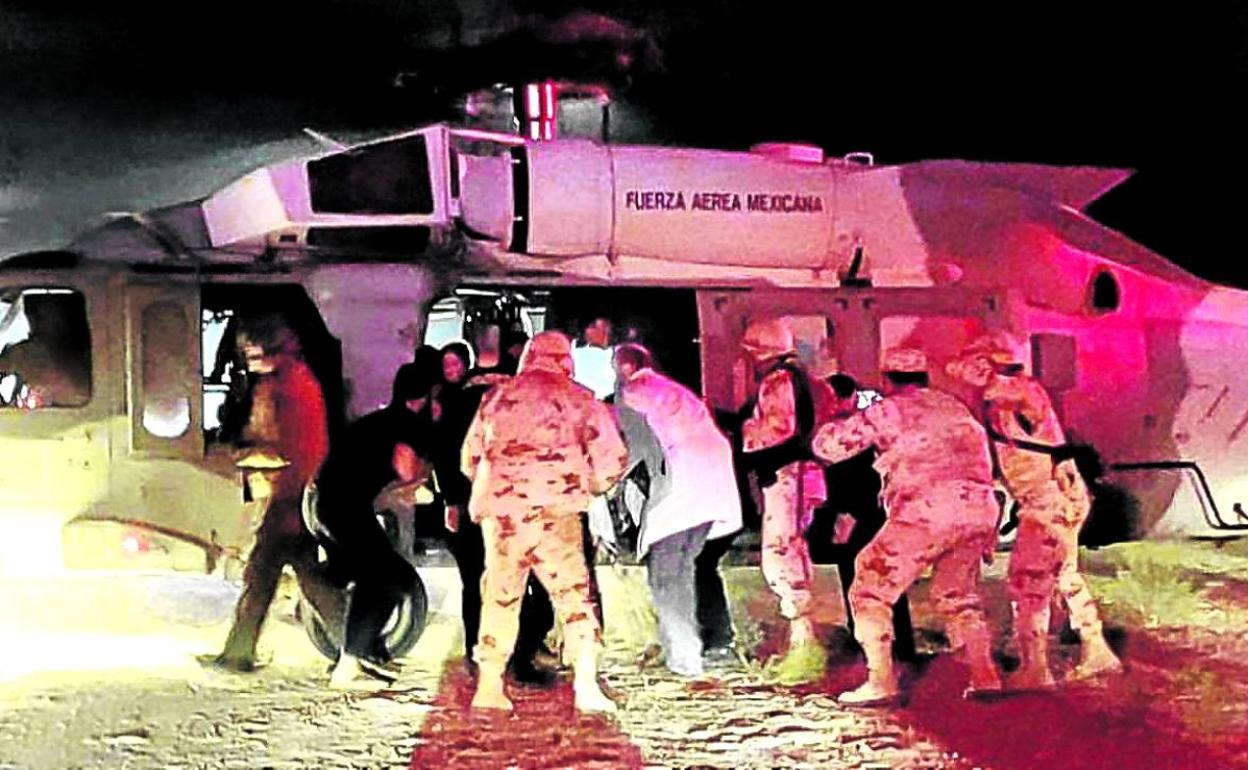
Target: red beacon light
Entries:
(541, 110)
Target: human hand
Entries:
(451, 520)
(408, 465)
(842, 528)
(607, 546)
(990, 550)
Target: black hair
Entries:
(459, 349)
(843, 385)
(908, 378)
(513, 337)
(412, 381)
(634, 355)
(428, 357)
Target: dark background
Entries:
(126, 105)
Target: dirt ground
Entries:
(100, 673)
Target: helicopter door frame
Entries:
(855, 316)
(163, 352)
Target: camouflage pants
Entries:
(549, 546)
(786, 555)
(947, 530)
(1046, 559)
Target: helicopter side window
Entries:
(814, 336)
(225, 381)
(45, 349)
(166, 405)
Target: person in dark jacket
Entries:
(385, 452)
(287, 431)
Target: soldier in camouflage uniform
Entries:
(538, 450)
(1054, 503)
(788, 406)
(933, 458)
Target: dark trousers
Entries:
(380, 579)
(537, 615)
(714, 616)
(844, 556)
(591, 557)
(277, 543)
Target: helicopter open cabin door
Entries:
(163, 380)
(841, 331)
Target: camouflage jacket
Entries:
(924, 438)
(1019, 408)
(540, 440)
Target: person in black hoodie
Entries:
(389, 450)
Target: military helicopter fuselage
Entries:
(373, 248)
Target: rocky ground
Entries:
(107, 679)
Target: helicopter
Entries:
(370, 249)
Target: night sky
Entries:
(128, 106)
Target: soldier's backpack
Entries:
(765, 463)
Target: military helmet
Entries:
(768, 338)
(908, 360)
(1000, 348)
(549, 351)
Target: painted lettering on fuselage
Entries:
(716, 201)
(784, 203)
(756, 203)
(652, 200)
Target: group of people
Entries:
(937, 461)
(519, 453)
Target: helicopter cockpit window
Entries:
(1104, 295)
(383, 178)
(45, 349)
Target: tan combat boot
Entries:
(490, 693)
(801, 632)
(985, 682)
(880, 689)
(805, 661)
(589, 697)
(1097, 658)
(1033, 673)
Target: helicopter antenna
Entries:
(325, 141)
